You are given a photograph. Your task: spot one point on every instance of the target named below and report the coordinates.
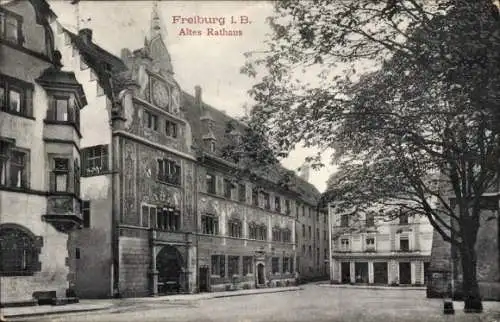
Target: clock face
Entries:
(160, 94)
(176, 98)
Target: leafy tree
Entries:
(418, 130)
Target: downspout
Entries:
(114, 216)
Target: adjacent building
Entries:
(370, 250)
(40, 136)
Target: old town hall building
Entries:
(133, 195)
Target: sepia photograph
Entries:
(250, 161)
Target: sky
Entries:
(213, 62)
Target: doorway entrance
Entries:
(169, 265)
(261, 278)
(204, 279)
(345, 270)
(404, 273)
(380, 273)
(361, 270)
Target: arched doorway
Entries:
(169, 264)
(261, 277)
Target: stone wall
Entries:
(134, 264)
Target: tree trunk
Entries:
(472, 296)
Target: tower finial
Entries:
(155, 21)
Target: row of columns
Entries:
(417, 271)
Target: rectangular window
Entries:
(252, 231)
(317, 257)
(60, 175)
(310, 251)
(276, 234)
(171, 129)
(242, 192)
(344, 244)
(255, 197)
(267, 200)
(233, 266)
(287, 207)
(15, 101)
(13, 166)
(15, 96)
(304, 249)
(370, 243)
(292, 267)
(310, 232)
(76, 177)
(404, 244)
(235, 228)
(86, 213)
(286, 235)
(209, 225)
(3, 100)
(303, 211)
(303, 230)
(61, 110)
(11, 27)
(219, 265)
(95, 160)
(169, 172)
(317, 216)
(150, 120)
(325, 218)
(247, 265)
(297, 209)
(210, 182)
(18, 169)
(286, 265)
(262, 232)
(4, 161)
(228, 188)
(167, 219)
(344, 221)
(275, 265)
(277, 204)
(325, 235)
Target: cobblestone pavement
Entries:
(313, 303)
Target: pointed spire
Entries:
(155, 22)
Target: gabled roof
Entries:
(95, 51)
(193, 113)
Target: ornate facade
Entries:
(40, 136)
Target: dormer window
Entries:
(212, 146)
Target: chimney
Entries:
(197, 95)
(86, 35)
